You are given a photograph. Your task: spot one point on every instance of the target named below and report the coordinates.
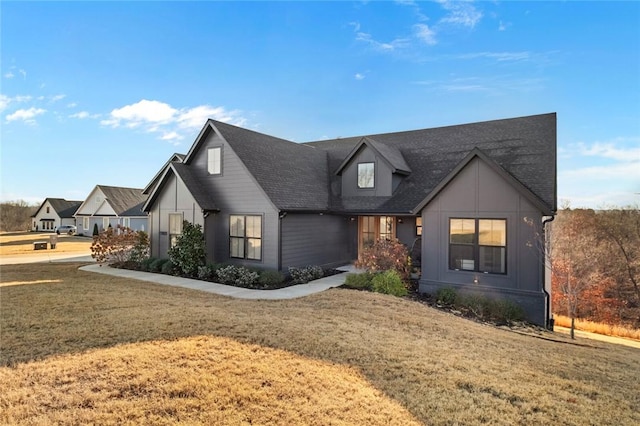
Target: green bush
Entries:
(145, 265)
(157, 264)
(208, 272)
(306, 274)
(188, 253)
(446, 296)
(271, 278)
(507, 311)
(237, 276)
(389, 282)
(96, 231)
(359, 281)
(169, 268)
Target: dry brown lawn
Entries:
(21, 243)
(88, 348)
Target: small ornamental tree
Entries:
(386, 255)
(188, 253)
(120, 245)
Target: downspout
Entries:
(281, 215)
(544, 271)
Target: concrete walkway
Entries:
(291, 292)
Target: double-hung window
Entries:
(245, 237)
(175, 228)
(214, 160)
(85, 223)
(478, 245)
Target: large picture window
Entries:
(366, 175)
(245, 237)
(478, 245)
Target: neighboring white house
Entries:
(53, 213)
(112, 206)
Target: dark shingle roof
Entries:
(198, 191)
(152, 184)
(524, 147)
(294, 176)
(303, 176)
(64, 208)
(125, 201)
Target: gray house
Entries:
(112, 206)
(458, 195)
(53, 213)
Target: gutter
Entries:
(549, 320)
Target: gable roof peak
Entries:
(390, 154)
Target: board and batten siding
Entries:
(235, 192)
(314, 239)
(479, 192)
(174, 198)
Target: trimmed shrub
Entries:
(306, 274)
(389, 282)
(207, 272)
(384, 255)
(237, 276)
(145, 265)
(446, 296)
(271, 278)
(157, 264)
(507, 311)
(359, 281)
(169, 268)
(188, 253)
(96, 231)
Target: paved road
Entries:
(600, 337)
(46, 258)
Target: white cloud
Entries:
(355, 25)
(81, 114)
(622, 170)
(141, 112)
(385, 47)
(425, 34)
(9, 74)
(498, 56)
(611, 151)
(57, 98)
(72, 105)
(359, 76)
(26, 115)
(4, 102)
(461, 13)
(158, 117)
(23, 73)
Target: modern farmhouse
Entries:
(459, 195)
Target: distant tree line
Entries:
(16, 215)
(595, 262)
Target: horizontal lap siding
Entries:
(313, 239)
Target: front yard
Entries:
(79, 348)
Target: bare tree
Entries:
(569, 253)
(16, 215)
(619, 231)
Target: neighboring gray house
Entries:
(112, 206)
(458, 194)
(54, 212)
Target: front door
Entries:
(373, 228)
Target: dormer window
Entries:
(366, 175)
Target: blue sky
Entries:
(104, 92)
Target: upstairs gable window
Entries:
(214, 160)
(366, 175)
